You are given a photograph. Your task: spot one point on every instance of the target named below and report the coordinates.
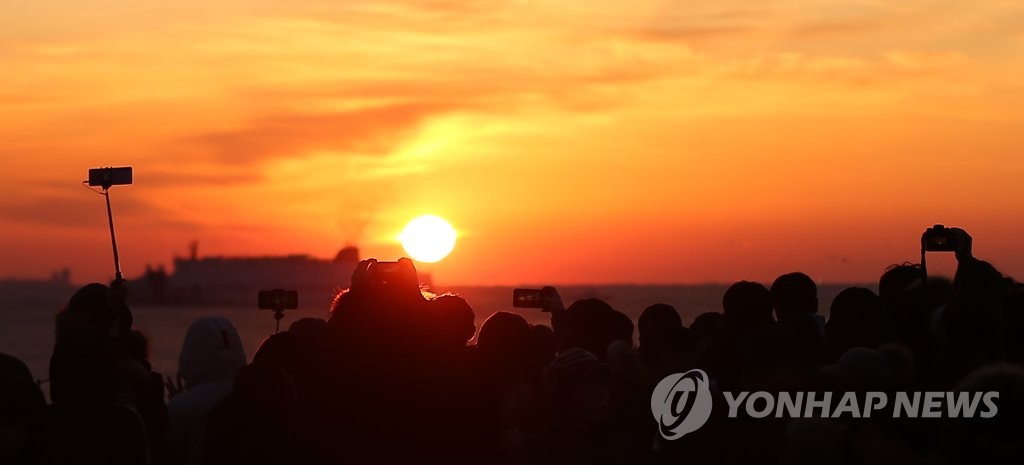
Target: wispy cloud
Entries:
(369, 131)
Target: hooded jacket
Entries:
(211, 356)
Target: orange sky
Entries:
(568, 141)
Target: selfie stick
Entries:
(278, 315)
(113, 242)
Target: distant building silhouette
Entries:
(226, 280)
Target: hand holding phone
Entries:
(547, 299)
(939, 238)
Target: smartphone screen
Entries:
(527, 298)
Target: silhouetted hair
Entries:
(621, 327)
(20, 397)
(855, 320)
(747, 303)
(705, 325)
(657, 315)
(571, 369)
(897, 279)
(454, 319)
(859, 369)
(591, 325)
(504, 336)
(277, 348)
(306, 326)
(94, 307)
(793, 294)
(993, 440)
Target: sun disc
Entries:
(428, 238)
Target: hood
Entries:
(212, 350)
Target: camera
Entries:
(938, 238)
(278, 300)
(106, 177)
(391, 273)
(527, 298)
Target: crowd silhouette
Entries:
(389, 377)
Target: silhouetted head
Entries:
(853, 303)
(794, 294)
(455, 320)
(860, 368)
(855, 320)
(896, 280)
(211, 350)
(94, 307)
(543, 345)
(20, 397)
(666, 349)
(379, 316)
(308, 326)
(747, 303)
(996, 439)
(591, 324)
(279, 348)
(504, 336)
(657, 315)
(311, 338)
(705, 325)
(621, 327)
(578, 388)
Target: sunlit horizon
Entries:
(570, 142)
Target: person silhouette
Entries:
(21, 404)
(211, 355)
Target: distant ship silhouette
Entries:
(223, 280)
(15, 292)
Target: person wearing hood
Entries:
(211, 356)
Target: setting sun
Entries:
(428, 238)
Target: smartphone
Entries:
(106, 177)
(278, 299)
(527, 298)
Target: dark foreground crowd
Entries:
(389, 378)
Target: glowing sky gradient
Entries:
(567, 141)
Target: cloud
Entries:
(689, 33)
(367, 131)
(828, 29)
(925, 60)
(197, 175)
(84, 209)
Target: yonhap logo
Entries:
(681, 403)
